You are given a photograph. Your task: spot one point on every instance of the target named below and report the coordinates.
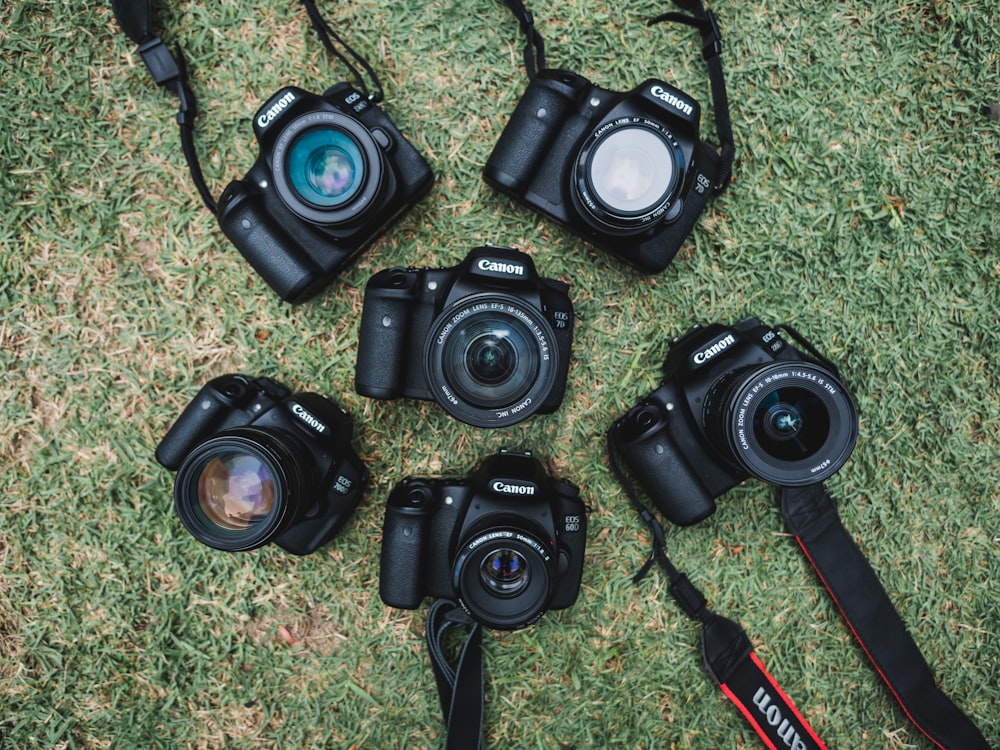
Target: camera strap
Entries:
(701, 19)
(460, 686)
(726, 649)
(705, 22)
(534, 47)
(168, 71)
(810, 514)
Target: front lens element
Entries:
(235, 490)
(504, 577)
(325, 167)
(491, 359)
(505, 572)
(632, 170)
(791, 424)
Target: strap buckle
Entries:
(713, 40)
(160, 62)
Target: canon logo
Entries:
(275, 109)
(515, 269)
(674, 101)
(772, 715)
(512, 489)
(718, 346)
(308, 418)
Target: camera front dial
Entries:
(628, 172)
(787, 423)
(327, 167)
(238, 491)
(491, 360)
(504, 577)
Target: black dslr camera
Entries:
(487, 339)
(736, 401)
(256, 464)
(332, 174)
(626, 171)
(507, 542)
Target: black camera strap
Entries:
(534, 47)
(699, 18)
(811, 516)
(168, 71)
(726, 649)
(460, 686)
(705, 22)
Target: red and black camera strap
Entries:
(726, 649)
(811, 516)
(168, 71)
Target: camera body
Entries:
(736, 401)
(332, 174)
(488, 339)
(256, 464)
(507, 542)
(626, 171)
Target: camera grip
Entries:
(382, 333)
(404, 535)
(213, 409)
(271, 251)
(657, 462)
(536, 121)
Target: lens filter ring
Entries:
(628, 172)
(327, 168)
(490, 360)
(787, 423)
(504, 577)
(236, 492)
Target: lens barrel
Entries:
(491, 360)
(327, 167)
(628, 171)
(238, 490)
(504, 577)
(787, 423)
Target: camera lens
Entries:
(238, 491)
(505, 571)
(628, 172)
(786, 423)
(325, 167)
(505, 577)
(490, 361)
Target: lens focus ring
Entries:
(786, 423)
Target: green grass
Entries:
(863, 211)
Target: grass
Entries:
(863, 211)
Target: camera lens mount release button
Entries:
(382, 138)
(673, 213)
